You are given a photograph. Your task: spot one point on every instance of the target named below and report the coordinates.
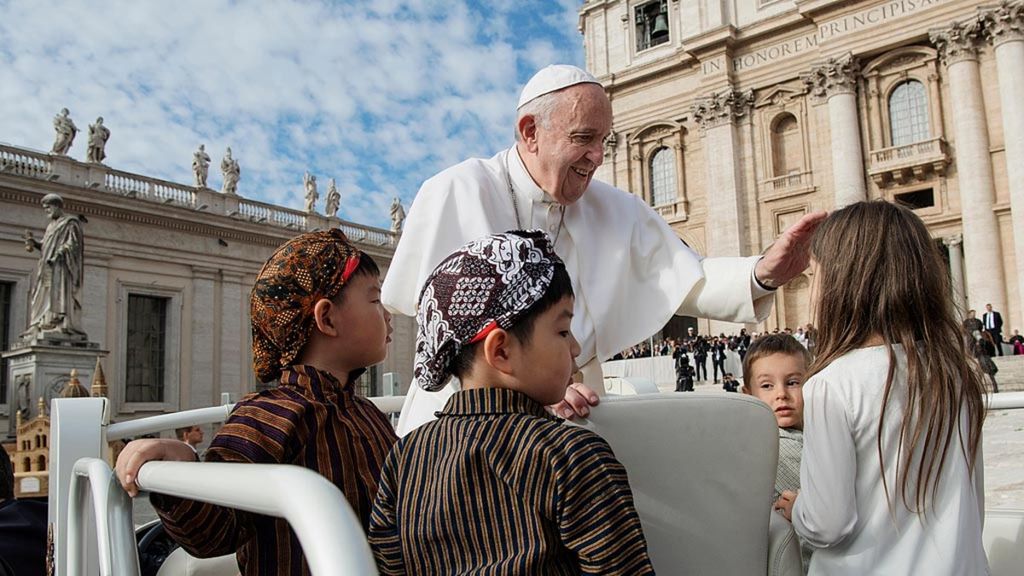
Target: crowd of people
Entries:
(883, 422)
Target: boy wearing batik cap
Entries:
(496, 485)
(317, 322)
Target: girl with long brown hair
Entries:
(890, 477)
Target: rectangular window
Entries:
(147, 345)
(6, 290)
(368, 384)
(651, 21)
(917, 199)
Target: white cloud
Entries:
(378, 95)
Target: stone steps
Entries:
(1011, 373)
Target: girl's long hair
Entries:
(880, 273)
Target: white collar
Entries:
(522, 181)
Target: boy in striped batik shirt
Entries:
(496, 485)
(317, 322)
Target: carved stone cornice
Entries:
(1004, 23)
(833, 76)
(959, 42)
(722, 108)
(610, 144)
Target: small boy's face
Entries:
(365, 324)
(548, 360)
(777, 381)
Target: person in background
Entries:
(22, 527)
(191, 435)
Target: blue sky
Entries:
(377, 95)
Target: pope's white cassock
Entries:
(630, 272)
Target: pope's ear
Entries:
(527, 128)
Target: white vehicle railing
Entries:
(80, 429)
(93, 480)
(1005, 401)
(155, 424)
(331, 535)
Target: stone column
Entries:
(232, 317)
(956, 270)
(716, 117)
(1004, 26)
(200, 389)
(835, 81)
(983, 254)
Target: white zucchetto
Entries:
(553, 78)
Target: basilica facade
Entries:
(733, 118)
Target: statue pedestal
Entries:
(41, 367)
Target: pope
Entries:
(629, 270)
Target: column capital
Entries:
(953, 241)
(959, 42)
(1004, 23)
(833, 76)
(722, 108)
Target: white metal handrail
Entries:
(161, 422)
(112, 511)
(1005, 401)
(212, 414)
(331, 535)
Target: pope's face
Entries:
(570, 149)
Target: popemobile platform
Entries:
(703, 501)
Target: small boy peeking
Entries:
(774, 371)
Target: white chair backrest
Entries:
(702, 469)
(1004, 541)
(181, 563)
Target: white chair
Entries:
(1003, 538)
(702, 469)
(181, 563)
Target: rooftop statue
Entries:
(98, 136)
(309, 181)
(397, 215)
(232, 172)
(333, 199)
(201, 166)
(66, 131)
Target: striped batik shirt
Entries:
(497, 486)
(309, 420)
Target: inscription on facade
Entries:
(880, 14)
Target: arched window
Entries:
(27, 465)
(787, 149)
(663, 177)
(908, 113)
(41, 464)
